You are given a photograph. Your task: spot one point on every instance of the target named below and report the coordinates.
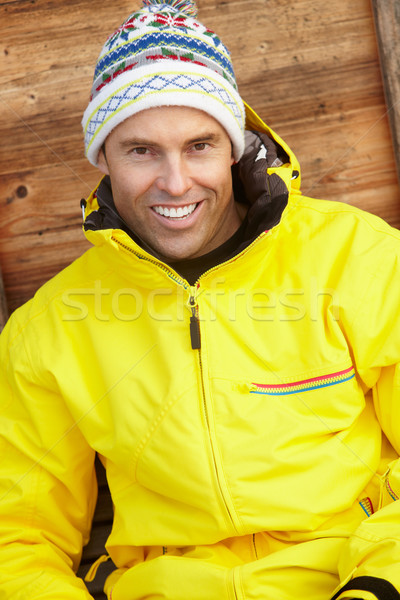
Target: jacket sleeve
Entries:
(199, 575)
(47, 480)
(369, 564)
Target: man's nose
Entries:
(175, 178)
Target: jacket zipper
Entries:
(194, 321)
(196, 345)
(216, 469)
(194, 326)
(158, 264)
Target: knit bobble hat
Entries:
(162, 56)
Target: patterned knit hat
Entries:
(162, 56)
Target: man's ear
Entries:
(233, 161)
(102, 161)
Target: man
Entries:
(228, 347)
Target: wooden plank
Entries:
(387, 23)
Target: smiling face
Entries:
(170, 171)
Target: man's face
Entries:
(170, 171)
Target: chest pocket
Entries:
(334, 399)
(289, 444)
(305, 385)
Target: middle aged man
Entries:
(170, 172)
(228, 348)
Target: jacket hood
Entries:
(263, 178)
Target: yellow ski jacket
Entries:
(249, 424)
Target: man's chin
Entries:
(179, 254)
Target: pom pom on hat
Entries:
(162, 56)
(186, 6)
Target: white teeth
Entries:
(175, 213)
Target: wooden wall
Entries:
(309, 67)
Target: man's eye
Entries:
(200, 146)
(140, 150)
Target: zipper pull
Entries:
(194, 325)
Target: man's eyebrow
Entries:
(212, 137)
(128, 143)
